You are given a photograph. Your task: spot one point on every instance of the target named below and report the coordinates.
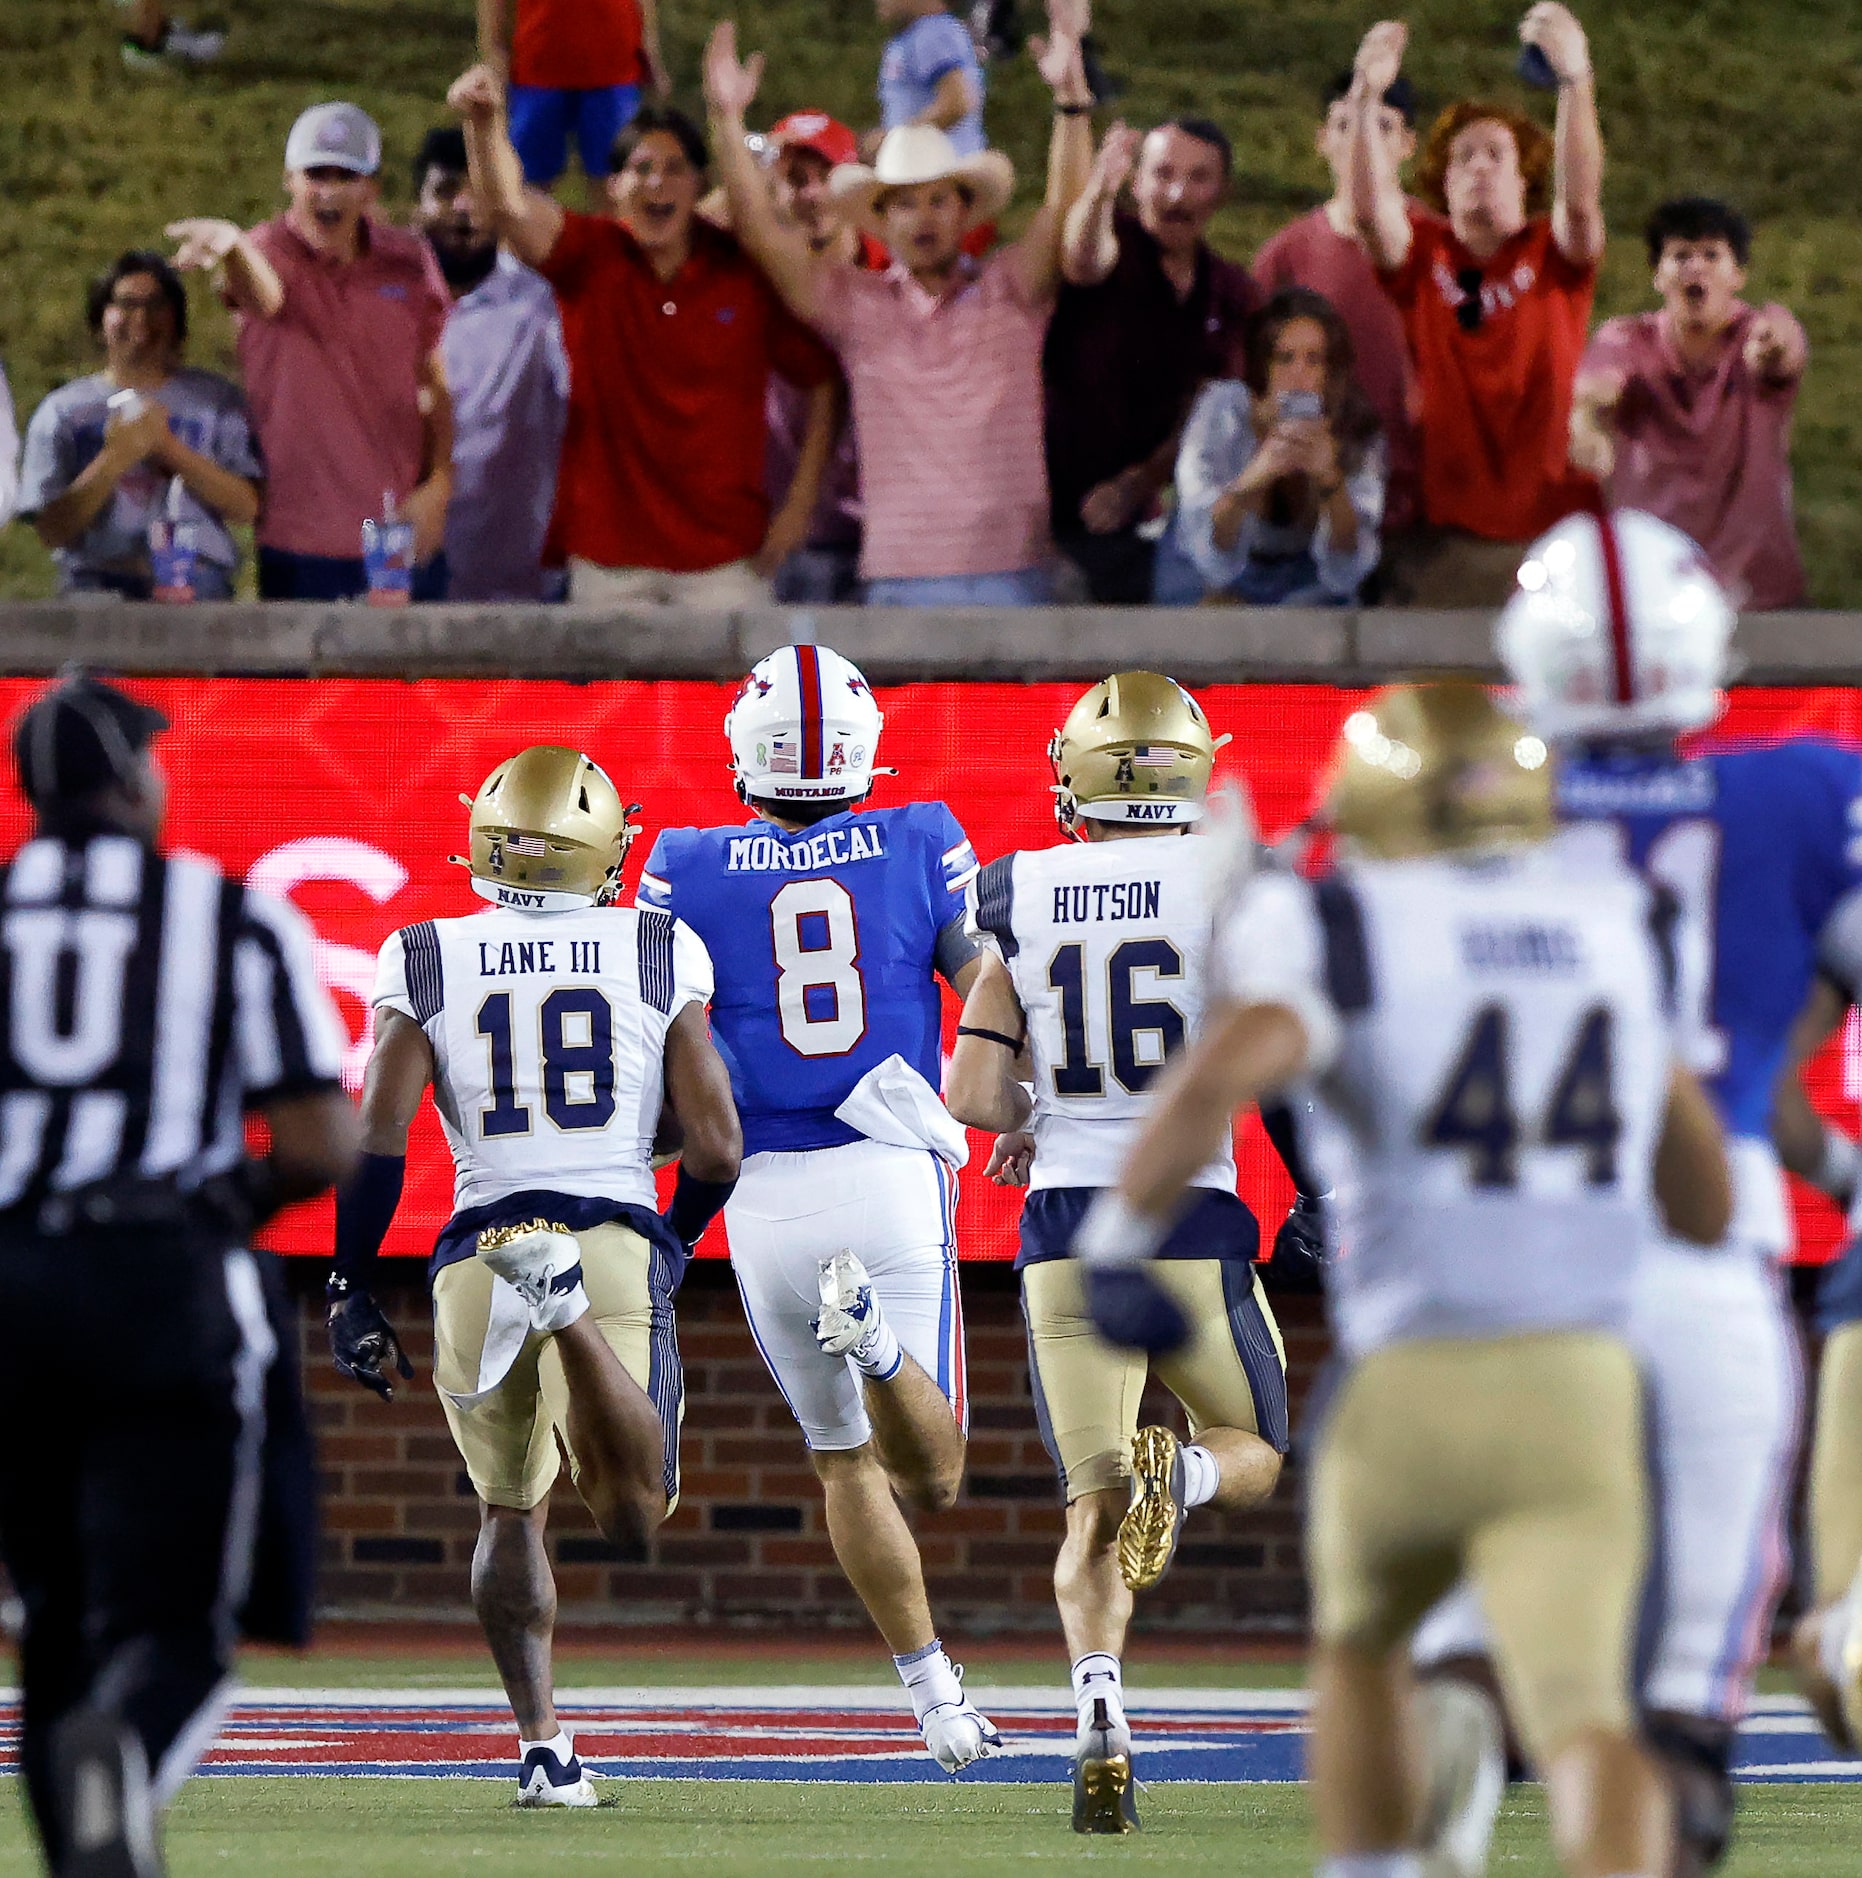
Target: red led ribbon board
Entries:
(344, 795)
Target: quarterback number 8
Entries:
(820, 995)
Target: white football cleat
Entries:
(548, 1781)
(542, 1263)
(959, 1733)
(1465, 1770)
(851, 1323)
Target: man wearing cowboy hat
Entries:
(942, 352)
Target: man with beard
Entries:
(1686, 412)
(509, 376)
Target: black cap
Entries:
(79, 737)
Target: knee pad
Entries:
(1696, 1755)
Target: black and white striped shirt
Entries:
(147, 1003)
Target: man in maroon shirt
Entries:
(1321, 251)
(1147, 312)
(673, 333)
(1686, 412)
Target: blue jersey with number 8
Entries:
(1760, 845)
(825, 944)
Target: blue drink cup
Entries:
(174, 553)
(388, 561)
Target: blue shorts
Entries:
(541, 119)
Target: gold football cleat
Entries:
(1147, 1535)
(1104, 1799)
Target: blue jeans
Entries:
(1029, 586)
(287, 576)
(541, 119)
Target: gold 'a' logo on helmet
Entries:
(1429, 768)
(1136, 748)
(548, 819)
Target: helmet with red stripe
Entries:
(804, 730)
(1618, 628)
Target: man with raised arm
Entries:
(942, 352)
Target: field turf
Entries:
(297, 1828)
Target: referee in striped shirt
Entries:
(147, 1005)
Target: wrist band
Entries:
(1114, 1234)
(992, 1036)
(1839, 1169)
(1072, 110)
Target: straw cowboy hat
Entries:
(921, 153)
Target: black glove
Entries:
(1298, 1262)
(1134, 1311)
(363, 1344)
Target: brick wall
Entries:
(748, 1544)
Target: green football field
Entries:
(357, 1827)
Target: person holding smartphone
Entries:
(1280, 478)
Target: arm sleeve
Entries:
(835, 317)
(288, 1038)
(235, 448)
(954, 867)
(566, 266)
(1272, 951)
(390, 992)
(1839, 938)
(1217, 444)
(655, 889)
(1342, 574)
(693, 979)
(990, 907)
(46, 470)
(939, 43)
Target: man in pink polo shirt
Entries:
(942, 353)
(1686, 412)
(339, 321)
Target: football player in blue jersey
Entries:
(1827, 1644)
(1618, 640)
(829, 929)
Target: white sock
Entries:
(1202, 1474)
(1833, 1638)
(1372, 1865)
(1098, 1678)
(878, 1354)
(558, 1744)
(930, 1678)
(562, 1309)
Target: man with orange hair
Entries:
(1495, 302)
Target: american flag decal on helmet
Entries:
(532, 845)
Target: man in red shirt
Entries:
(572, 65)
(1495, 304)
(1686, 412)
(673, 333)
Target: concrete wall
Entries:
(1198, 645)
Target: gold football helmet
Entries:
(1429, 768)
(1136, 748)
(548, 821)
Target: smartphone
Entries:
(126, 406)
(1300, 407)
(1535, 69)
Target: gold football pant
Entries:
(1231, 1374)
(508, 1441)
(1519, 1460)
(1836, 1466)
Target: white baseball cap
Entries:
(334, 136)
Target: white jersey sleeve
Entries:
(693, 979)
(390, 992)
(1271, 950)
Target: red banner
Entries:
(344, 795)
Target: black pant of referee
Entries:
(148, 1004)
(133, 1376)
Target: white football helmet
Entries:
(804, 728)
(1618, 628)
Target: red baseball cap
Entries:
(827, 137)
